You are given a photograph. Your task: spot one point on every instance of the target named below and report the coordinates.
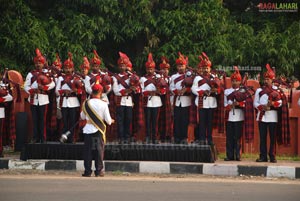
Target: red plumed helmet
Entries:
(204, 61)
(124, 59)
(97, 88)
(270, 73)
(236, 75)
(39, 57)
(164, 63)
(85, 64)
(96, 59)
(57, 62)
(69, 62)
(181, 59)
(150, 63)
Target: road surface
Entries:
(65, 186)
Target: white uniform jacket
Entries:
(182, 101)
(270, 115)
(38, 98)
(68, 102)
(101, 109)
(237, 114)
(6, 98)
(209, 101)
(153, 101)
(118, 88)
(88, 86)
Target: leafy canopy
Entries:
(229, 34)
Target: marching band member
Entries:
(84, 71)
(56, 67)
(5, 98)
(53, 112)
(37, 83)
(123, 90)
(95, 111)
(56, 71)
(272, 115)
(85, 67)
(182, 100)
(98, 76)
(206, 90)
(165, 122)
(238, 112)
(69, 87)
(152, 100)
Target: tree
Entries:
(228, 34)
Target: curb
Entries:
(158, 168)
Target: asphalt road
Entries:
(114, 187)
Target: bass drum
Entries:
(17, 78)
(19, 109)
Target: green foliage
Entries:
(21, 33)
(138, 27)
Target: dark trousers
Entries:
(1, 136)
(263, 132)
(162, 114)
(181, 123)
(93, 149)
(38, 118)
(151, 115)
(124, 119)
(234, 132)
(69, 116)
(205, 125)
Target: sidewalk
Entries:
(288, 169)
